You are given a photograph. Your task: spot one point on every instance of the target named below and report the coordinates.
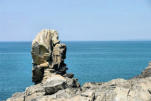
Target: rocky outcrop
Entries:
(48, 56)
(146, 72)
(52, 83)
(121, 90)
(116, 90)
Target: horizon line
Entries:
(76, 40)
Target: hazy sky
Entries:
(21, 20)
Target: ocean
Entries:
(90, 61)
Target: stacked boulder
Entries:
(48, 56)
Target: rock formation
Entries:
(48, 56)
(52, 83)
(146, 72)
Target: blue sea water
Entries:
(97, 61)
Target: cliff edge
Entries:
(52, 83)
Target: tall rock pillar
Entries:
(48, 56)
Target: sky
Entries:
(76, 20)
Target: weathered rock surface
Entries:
(146, 72)
(48, 56)
(53, 84)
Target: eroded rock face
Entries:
(52, 83)
(48, 56)
(146, 72)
